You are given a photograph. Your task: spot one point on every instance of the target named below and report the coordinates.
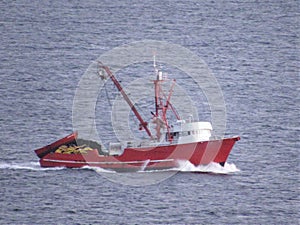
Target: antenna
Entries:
(154, 63)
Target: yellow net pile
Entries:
(83, 149)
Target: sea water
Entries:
(252, 48)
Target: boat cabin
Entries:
(187, 132)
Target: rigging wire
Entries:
(107, 96)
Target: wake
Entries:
(33, 166)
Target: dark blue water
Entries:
(251, 47)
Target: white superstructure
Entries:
(188, 132)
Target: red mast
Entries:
(143, 124)
(160, 104)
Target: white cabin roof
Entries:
(182, 125)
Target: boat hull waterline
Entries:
(138, 158)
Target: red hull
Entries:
(133, 159)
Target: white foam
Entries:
(184, 166)
(187, 166)
(97, 169)
(34, 166)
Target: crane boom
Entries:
(143, 124)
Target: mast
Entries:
(143, 124)
(157, 89)
(160, 105)
(162, 102)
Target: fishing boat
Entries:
(182, 140)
